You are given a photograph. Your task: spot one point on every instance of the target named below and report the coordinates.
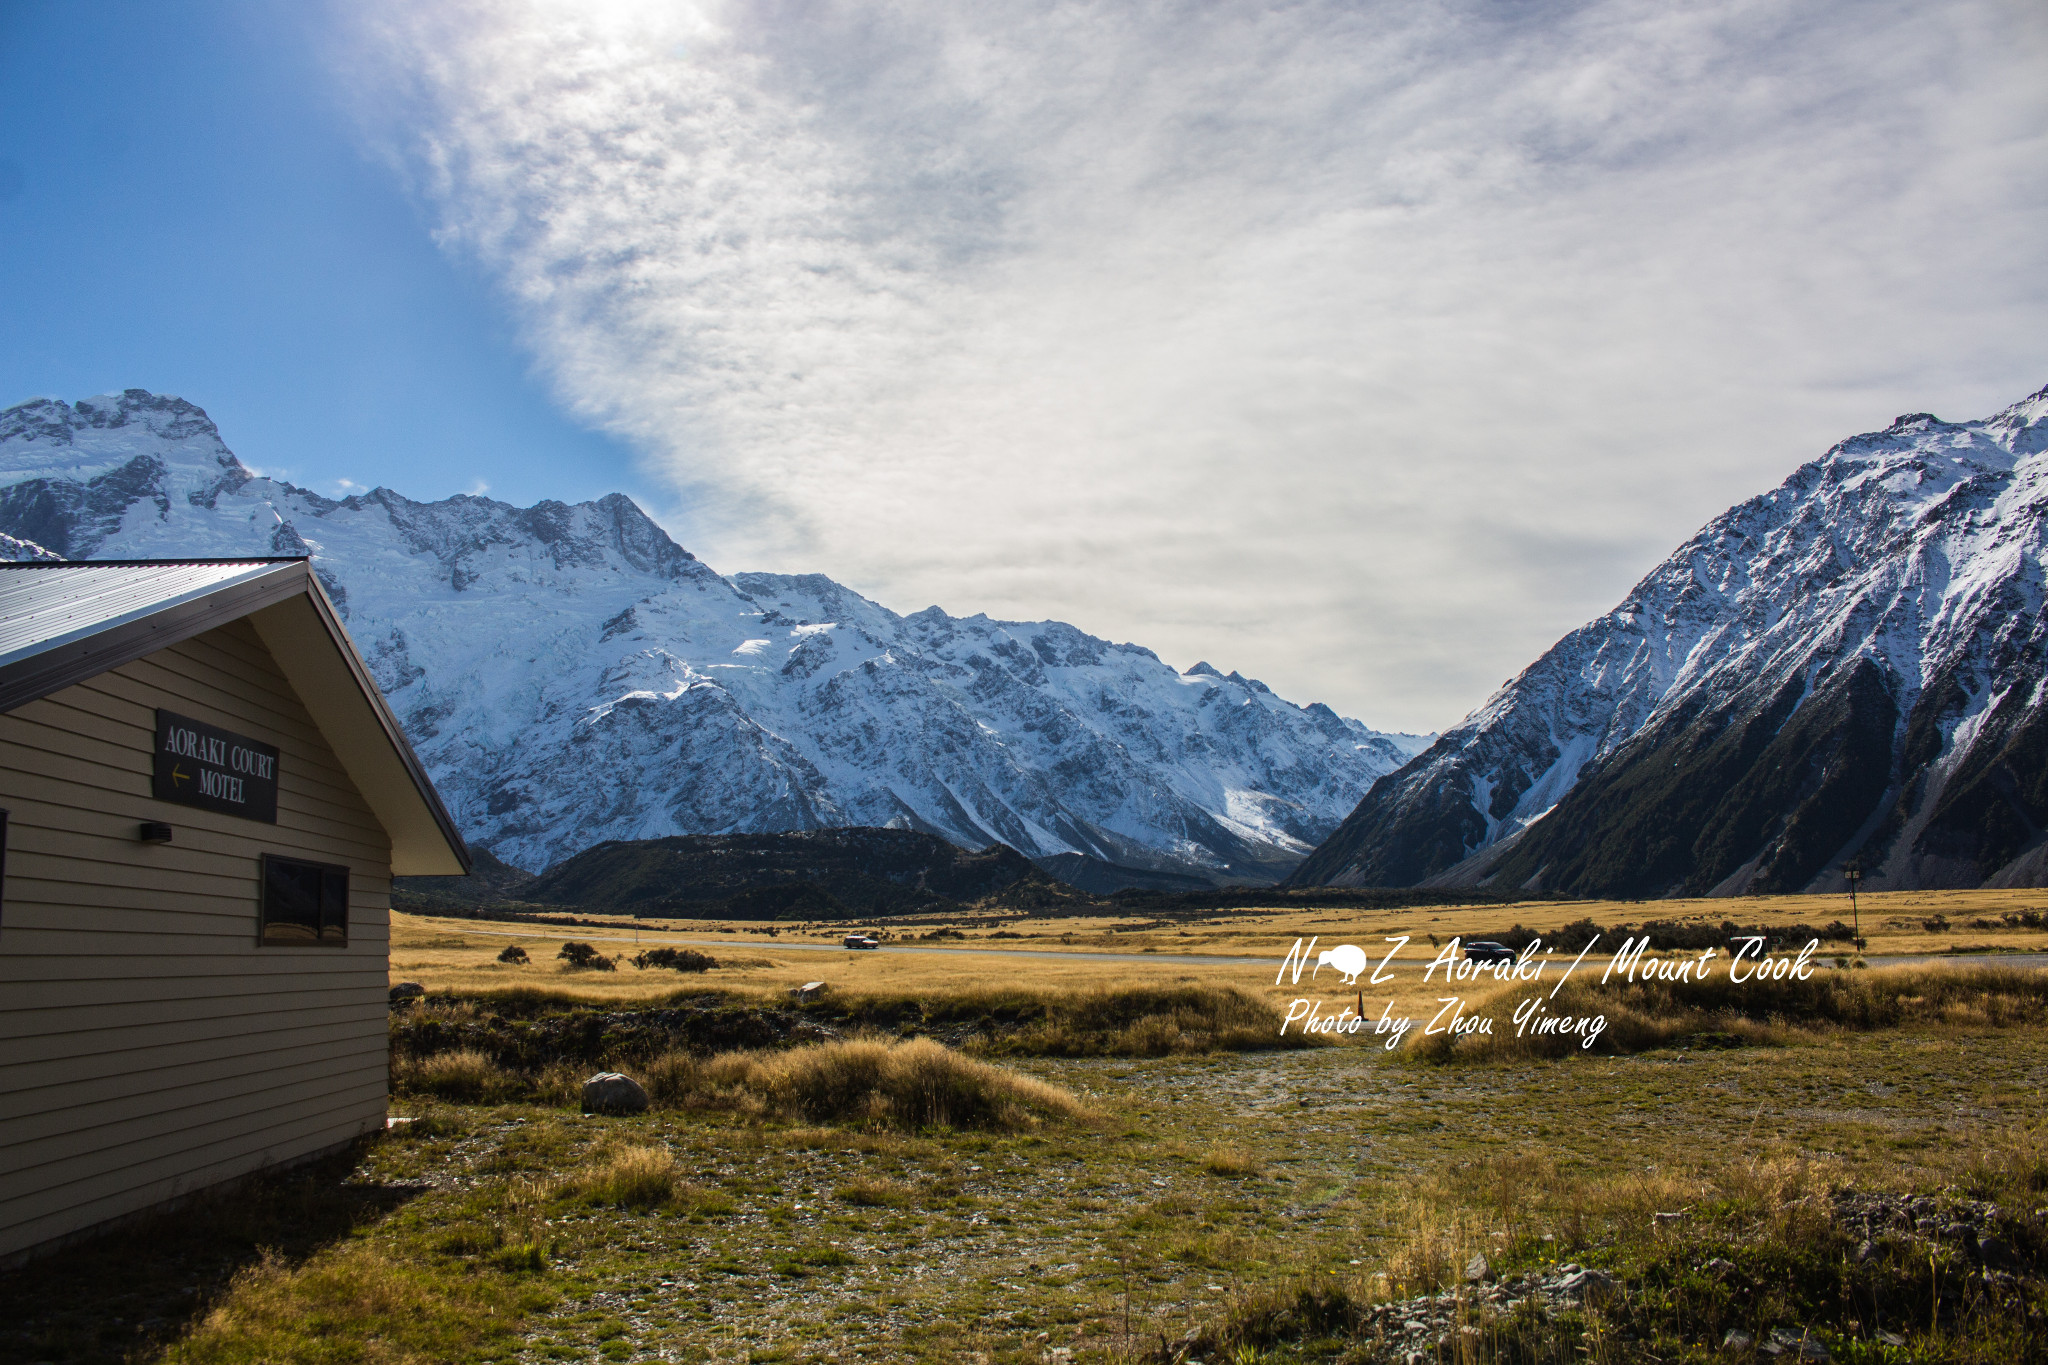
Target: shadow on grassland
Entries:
(126, 1294)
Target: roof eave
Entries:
(258, 597)
(26, 680)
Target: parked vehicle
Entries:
(1486, 950)
(862, 941)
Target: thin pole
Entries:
(1853, 874)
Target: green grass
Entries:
(1642, 1016)
(1755, 1251)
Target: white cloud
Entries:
(1366, 348)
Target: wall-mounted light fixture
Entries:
(155, 832)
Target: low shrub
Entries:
(914, 1084)
(514, 954)
(675, 959)
(1669, 934)
(583, 957)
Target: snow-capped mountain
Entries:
(569, 674)
(1850, 667)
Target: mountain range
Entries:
(570, 675)
(1847, 670)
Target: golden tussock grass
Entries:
(464, 1076)
(460, 956)
(1232, 1162)
(876, 1194)
(915, 1084)
(629, 1177)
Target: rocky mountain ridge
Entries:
(570, 675)
(1848, 668)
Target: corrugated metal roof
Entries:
(45, 606)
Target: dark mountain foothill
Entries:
(799, 875)
(491, 881)
(844, 874)
(1084, 873)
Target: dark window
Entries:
(304, 902)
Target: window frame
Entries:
(321, 937)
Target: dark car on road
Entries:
(1486, 950)
(862, 941)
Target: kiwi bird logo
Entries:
(1345, 957)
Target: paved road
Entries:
(1972, 959)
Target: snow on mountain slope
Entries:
(1849, 666)
(570, 675)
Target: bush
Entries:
(913, 1084)
(583, 957)
(514, 954)
(1669, 934)
(675, 959)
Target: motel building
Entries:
(203, 800)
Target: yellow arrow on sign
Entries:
(178, 775)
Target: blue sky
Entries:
(1364, 346)
(189, 207)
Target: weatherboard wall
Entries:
(149, 1046)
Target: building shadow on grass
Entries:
(126, 1294)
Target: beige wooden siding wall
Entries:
(148, 1046)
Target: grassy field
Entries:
(459, 956)
(1196, 1192)
(819, 1199)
